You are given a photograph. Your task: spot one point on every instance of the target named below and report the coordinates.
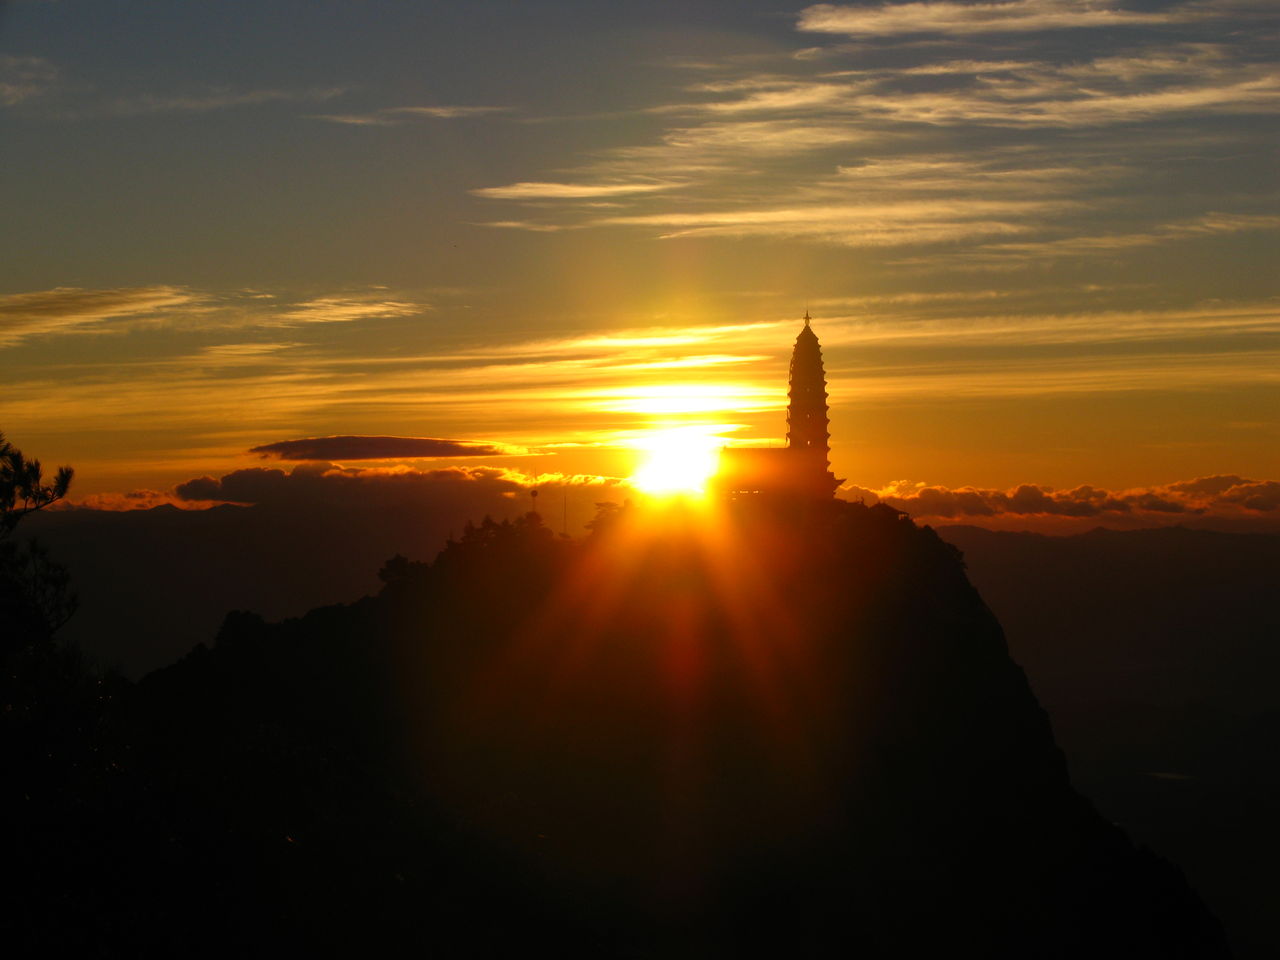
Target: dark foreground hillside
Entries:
(682, 737)
(1156, 653)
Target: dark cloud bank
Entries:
(376, 448)
(280, 541)
(1225, 501)
(452, 494)
(155, 579)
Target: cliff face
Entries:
(685, 736)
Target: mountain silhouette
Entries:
(1154, 652)
(683, 736)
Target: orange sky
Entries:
(1039, 247)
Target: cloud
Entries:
(1017, 16)
(530, 190)
(990, 174)
(395, 116)
(531, 225)
(866, 224)
(232, 354)
(1103, 120)
(1221, 497)
(767, 95)
(379, 448)
(1225, 501)
(1261, 496)
(130, 500)
(1051, 98)
(22, 78)
(221, 98)
(724, 145)
(1202, 227)
(917, 345)
(71, 309)
(447, 495)
(1175, 79)
(346, 309)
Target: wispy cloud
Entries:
(1166, 81)
(1208, 225)
(241, 353)
(1016, 16)
(994, 174)
(345, 309)
(720, 146)
(533, 226)
(1060, 135)
(22, 78)
(858, 224)
(534, 190)
(395, 116)
(444, 112)
(1059, 101)
(221, 98)
(70, 309)
(922, 347)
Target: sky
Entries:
(1039, 240)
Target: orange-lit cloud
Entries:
(346, 309)
(568, 191)
(141, 499)
(586, 388)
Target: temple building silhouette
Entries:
(801, 469)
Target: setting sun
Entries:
(679, 461)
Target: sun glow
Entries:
(679, 461)
(674, 399)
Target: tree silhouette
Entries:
(55, 714)
(35, 595)
(22, 486)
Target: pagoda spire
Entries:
(799, 475)
(807, 421)
(807, 394)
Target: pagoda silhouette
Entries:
(802, 469)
